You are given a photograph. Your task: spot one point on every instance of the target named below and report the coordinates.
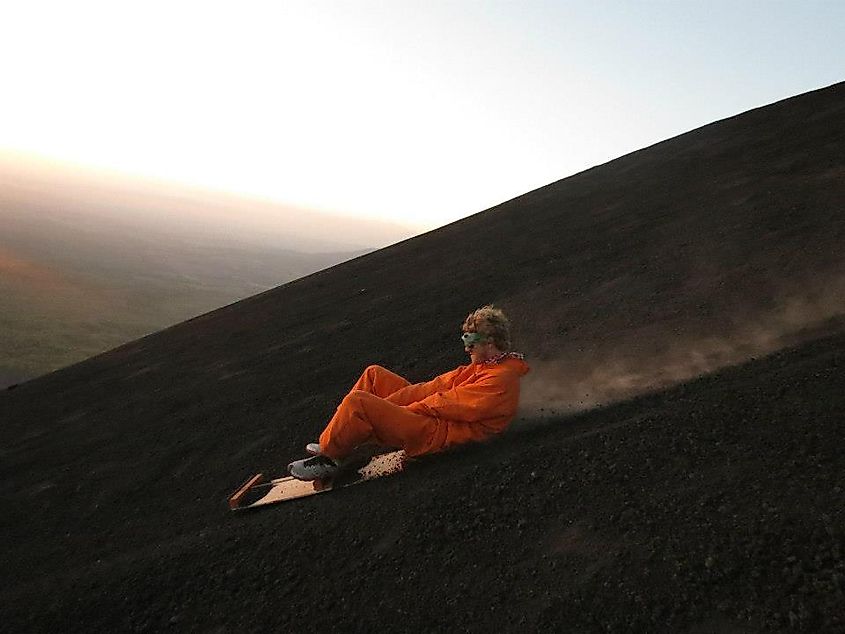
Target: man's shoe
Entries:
(313, 448)
(314, 468)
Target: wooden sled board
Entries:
(256, 492)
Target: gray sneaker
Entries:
(313, 448)
(314, 468)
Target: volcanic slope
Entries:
(714, 505)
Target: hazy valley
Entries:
(87, 265)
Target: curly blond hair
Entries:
(491, 322)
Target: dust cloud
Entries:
(566, 385)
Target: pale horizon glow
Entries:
(419, 113)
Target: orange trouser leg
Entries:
(364, 417)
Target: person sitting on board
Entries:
(471, 403)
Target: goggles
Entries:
(472, 338)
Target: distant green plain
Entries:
(67, 294)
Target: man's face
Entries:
(477, 346)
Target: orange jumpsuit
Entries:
(470, 403)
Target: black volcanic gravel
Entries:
(716, 503)
(712, 506)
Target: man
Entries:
(470, 403)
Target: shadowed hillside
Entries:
(715, 505)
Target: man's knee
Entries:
(373, 370)
(355, 397)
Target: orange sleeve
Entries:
(419, 391)
(493, 395)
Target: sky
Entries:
(417, 112)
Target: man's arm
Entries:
(419, 391)
(490, 397)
